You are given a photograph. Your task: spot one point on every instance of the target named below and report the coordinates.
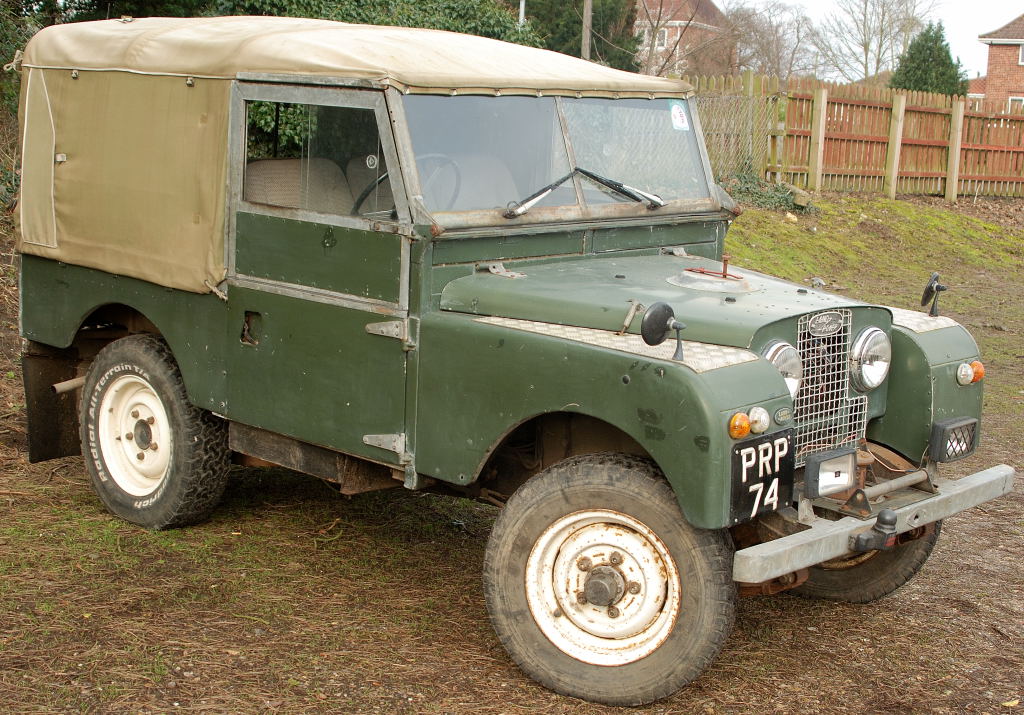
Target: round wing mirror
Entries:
(930, 289)
(656, 323)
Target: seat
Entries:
(312, 184)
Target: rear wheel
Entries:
(153, 457)
(599, 589)
(867, 577)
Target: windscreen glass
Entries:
(644, 143)
(485, 152)
(479, 153)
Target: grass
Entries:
(293, 598)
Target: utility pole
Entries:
(588, 12)
(522, 12)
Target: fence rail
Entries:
(855, 138)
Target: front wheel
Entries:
(154, 458)
(599, 589)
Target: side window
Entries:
(325, 159)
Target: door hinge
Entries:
(391, 329)
(391, 442)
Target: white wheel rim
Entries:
(134, 435)
(557, 571)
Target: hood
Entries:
(596, 292)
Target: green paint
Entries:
(333, 258)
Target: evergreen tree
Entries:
(928, 66)
(560, 26)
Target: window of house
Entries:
(1020, 58)
(324, 159)
(1016, 104)
(662, 38)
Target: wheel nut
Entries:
(150, 420)
(615, 558)
(613, 612)
(135, 414)
(633, 587)
(583, 564)
(129, 436)
(152, 446)
(581, 597)
(140, 456)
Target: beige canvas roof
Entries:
(411, 59)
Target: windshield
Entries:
(478, 153)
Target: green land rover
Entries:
(391, 257)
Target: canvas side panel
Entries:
(140, 187)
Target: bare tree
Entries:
(772, 38)
(865, 37)
(677, 55)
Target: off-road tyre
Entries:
(610, 484)
(137, 375)
(873, 576)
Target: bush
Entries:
(751, 189)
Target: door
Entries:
(318, 269)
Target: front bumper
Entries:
(826, 539)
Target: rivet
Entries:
(613, 612)
(633, 587)
(74, 74)
(190, 82)
(581, 597)
(615, 558)
(584, 564)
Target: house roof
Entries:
(417, 60)
(976, 86)
(1013, 30)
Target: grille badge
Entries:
(824, 324)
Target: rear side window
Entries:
(324, 159)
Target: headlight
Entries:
(787, 361)
(869, 359)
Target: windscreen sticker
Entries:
(679, 121)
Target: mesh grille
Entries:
(953, 439)
(827, 416)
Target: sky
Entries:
(963, 20)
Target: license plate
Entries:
(762, 475)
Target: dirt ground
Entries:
(293, 598)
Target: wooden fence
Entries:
(857, 138)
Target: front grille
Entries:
(827, 415)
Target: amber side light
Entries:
(979, 370)
(739, 425)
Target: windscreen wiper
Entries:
(518, 208)
(653, 200)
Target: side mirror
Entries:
(656, 324)
(931, 293)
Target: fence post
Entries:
(892, 154)
(956, 130)
(817, 139)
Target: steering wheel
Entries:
(365, 193)
(428, 178)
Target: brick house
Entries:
(682, 37)
(1003, 86)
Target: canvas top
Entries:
(414, 60)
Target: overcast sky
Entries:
(964, 20)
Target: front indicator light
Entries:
(760, 420)
(979, 370)
(964, 374)
(739, 425)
